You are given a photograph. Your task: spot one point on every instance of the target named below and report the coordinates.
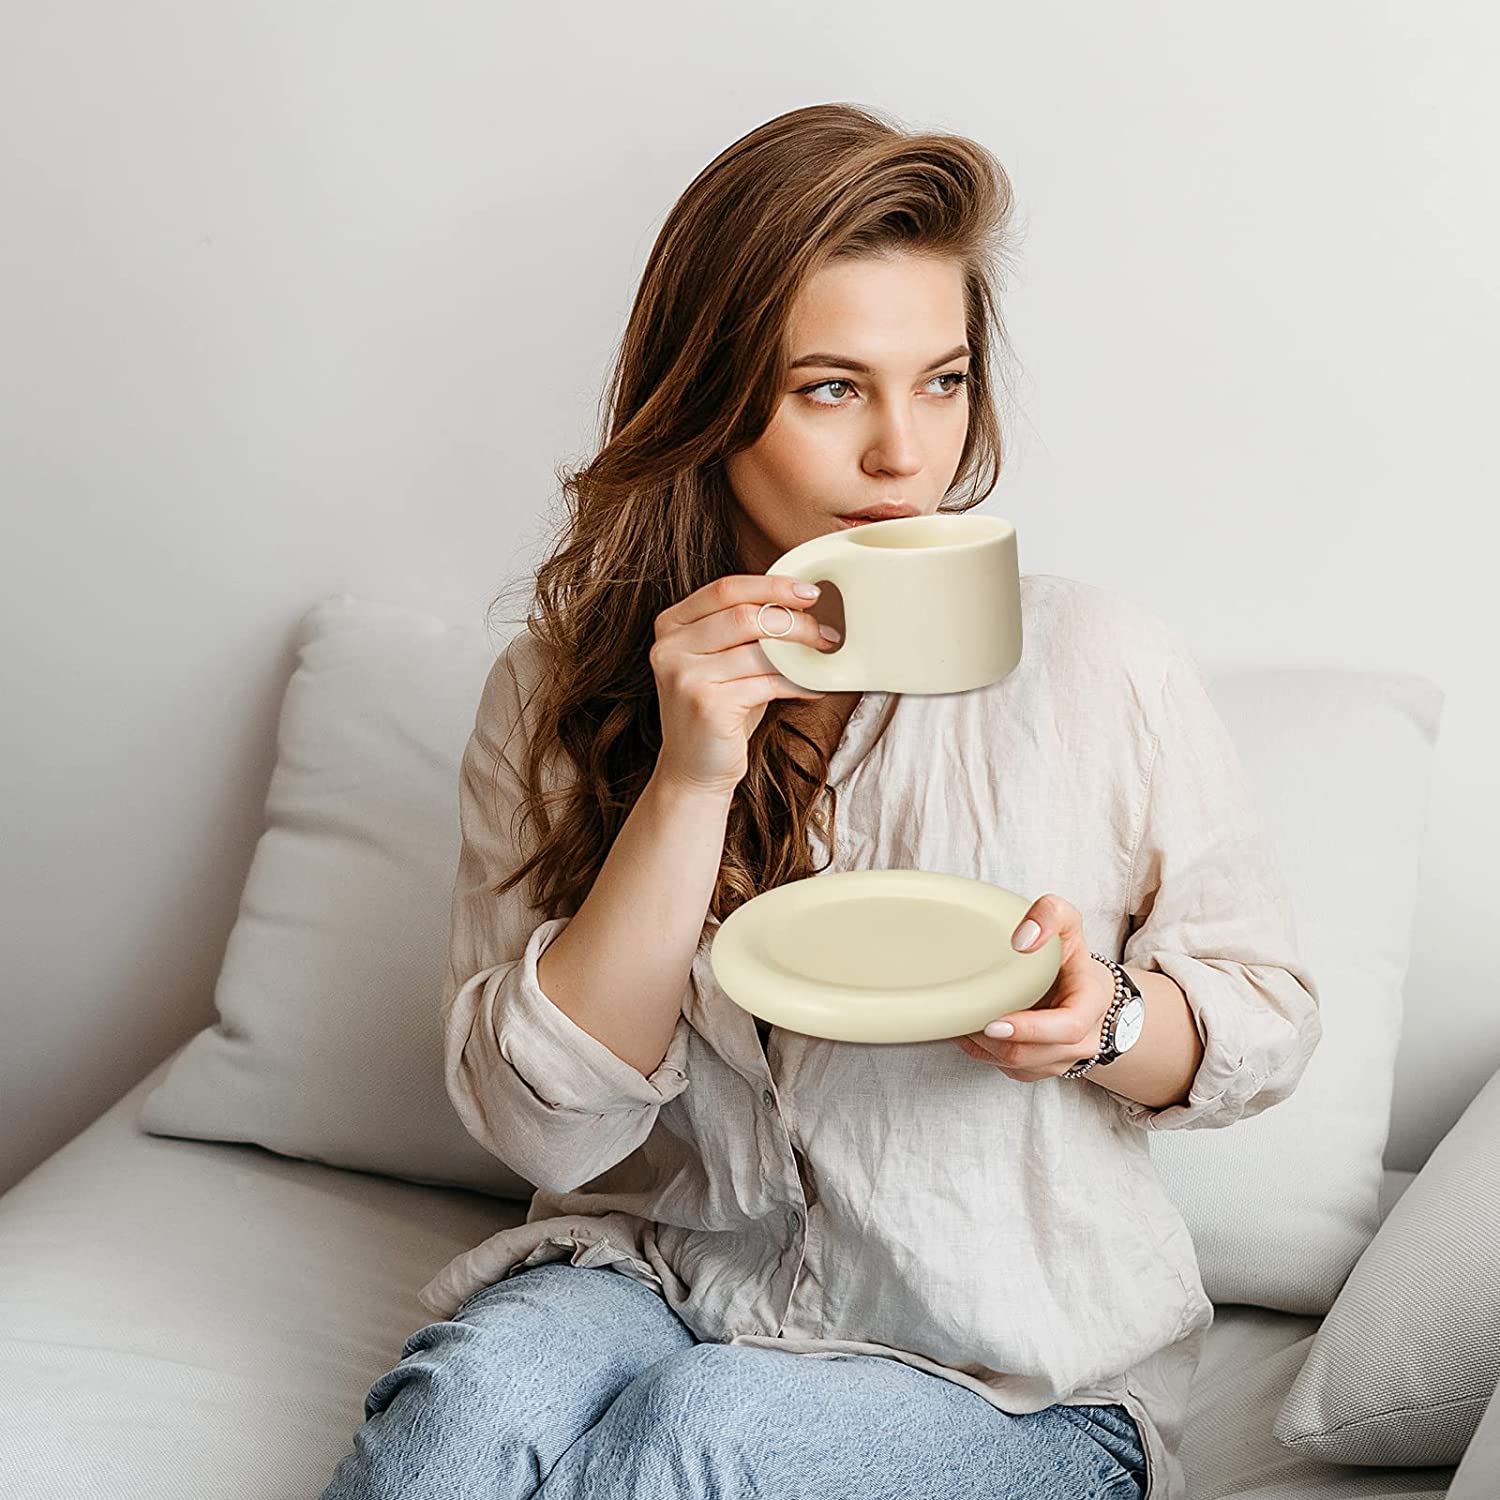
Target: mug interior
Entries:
(929, 533)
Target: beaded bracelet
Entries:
(1124, 989)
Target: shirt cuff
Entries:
(1259, 1026)
(564, 1066)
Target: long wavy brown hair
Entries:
(697, 377)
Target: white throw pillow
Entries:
(328, 1045)
(1281, 1205)
(1408, 1358)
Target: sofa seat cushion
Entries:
(185, 1318)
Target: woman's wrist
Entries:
(1159, 1069)
(665, 788)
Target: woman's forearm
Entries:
(618, 969)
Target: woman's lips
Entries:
(892, 512)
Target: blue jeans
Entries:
(572, 1382)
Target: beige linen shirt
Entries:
(907, 1200)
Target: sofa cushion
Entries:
(187, 1318)
(327, 1044)
(1408, 1357)
(1282, 1205)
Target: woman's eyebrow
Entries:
(840, 362)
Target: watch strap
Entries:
(1125, 990)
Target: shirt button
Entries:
(794, 1221)
(768, 1097)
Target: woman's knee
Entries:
(721, 1392)
(683, 1426)
(450, 1419)
(508, 1382)
(536, 1340)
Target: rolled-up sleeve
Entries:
(1210, 909)
(530, 1085)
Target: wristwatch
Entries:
(1122, 1023)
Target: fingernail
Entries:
(829, 633)
(1026, 934)
(999, 1028)
(806, 590)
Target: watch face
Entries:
(1128, 1023)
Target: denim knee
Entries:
(456, 1416)
(717, 1392)
(484, 1402)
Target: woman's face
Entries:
(843, 439)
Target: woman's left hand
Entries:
(1063, 1027)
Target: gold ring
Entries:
(761, 624)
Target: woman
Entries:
(758, 1262)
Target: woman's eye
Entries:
(958, 377)
(824, 385)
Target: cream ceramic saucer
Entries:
(881, 956)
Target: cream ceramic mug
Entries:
(932, 604)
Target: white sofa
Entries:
(196, 1292)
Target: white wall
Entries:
(306, 298)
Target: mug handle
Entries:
(822, 558)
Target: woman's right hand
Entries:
(713, 681)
